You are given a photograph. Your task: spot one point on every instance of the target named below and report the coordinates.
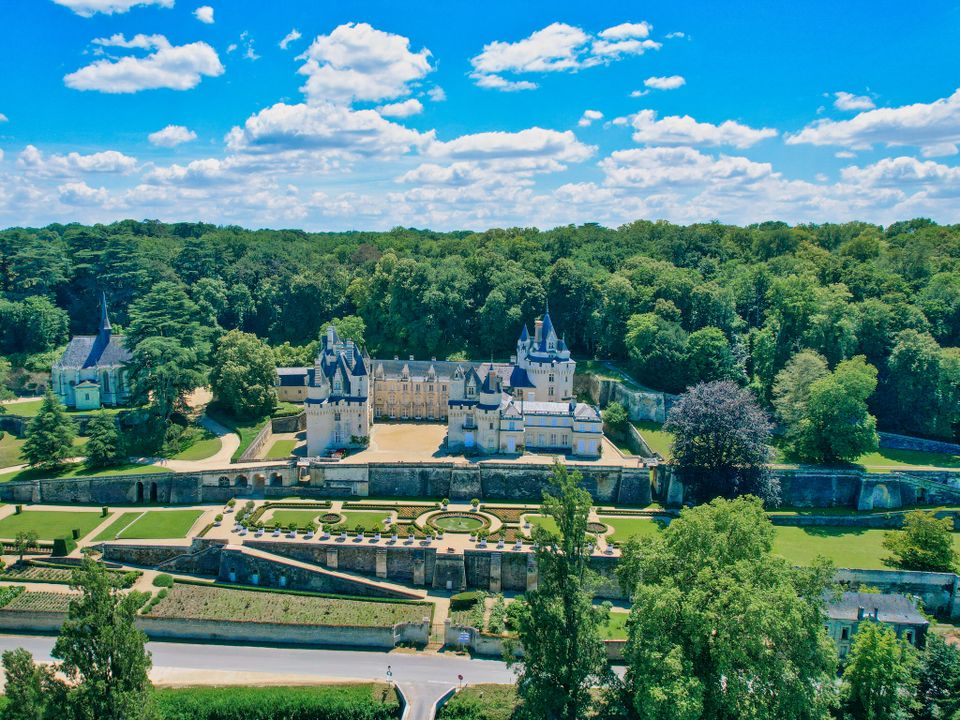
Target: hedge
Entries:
(338, 702)
(466, 600)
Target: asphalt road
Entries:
(424, 678)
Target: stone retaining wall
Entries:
(251, 632)
(259, 444)
(482, 643)
(905, 442)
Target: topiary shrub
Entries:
(163, 580)
(63, 546)
(466, 600)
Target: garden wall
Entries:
(905, 442)
(940, 592)
(254, 632)
(482, 643)
(258, 444)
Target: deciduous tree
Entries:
(720, 626)
(243, 375)
(925, 543)
(721, 442)
(879, 679)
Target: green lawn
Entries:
(846, 547)
(596, 367)
(200, 450)
(79, 470)
(246, 429)
(886, 457)
(616, 628)
(496, 702)
(49, 524)
(30, 408)
(371, 521)
(547, 523)
(298, 517)
(157, 524)
(656, 438)
(10, 446)
(625, 528)
(119, 523)
(281, 449)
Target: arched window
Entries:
(224, 481)
(241, 481)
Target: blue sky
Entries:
(366, 115)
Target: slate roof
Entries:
(892, 608)
(519, 378)
(85, 351)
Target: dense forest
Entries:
(674, 304)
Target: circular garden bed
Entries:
(596, 528)
(455, 522)
(331, 518)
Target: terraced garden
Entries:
(219, 603)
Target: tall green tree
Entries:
(101, 652)
(791, 389)
(925, 543)
(50, 435)
(721, 443)
(162, 372)
(880, 677)
(104, 447)
(835, 424)
(938, 680)
(558, 624)
(31, 690)
(101, 664)
(243, 375)
(721, 627)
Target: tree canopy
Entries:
(678, 304)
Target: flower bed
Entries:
(596, 528)
(404, 512)
(508, 515)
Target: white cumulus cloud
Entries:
(558, 47)
(934, 127)
(171, 136)
(33, 161)
(204, 14)
(89, 8)
(401, 109)
(79, 193)
(669, 82)
(4, 118)
(685, 130)
(359, 62)
(533, 142)
(323, 128)
(588, 117)
(177, 67)
(849, 101)
(290, 37)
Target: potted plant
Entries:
(474, 504)
(444, 503)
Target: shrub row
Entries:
(342, 702)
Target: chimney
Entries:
(537, 331)
(513, 359)
(331, 331)
(876, 614)
(411, 357)
(860, 612)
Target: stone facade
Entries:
(846, 614)
(90, 373)
(489, 408)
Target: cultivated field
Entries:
(218, 603)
